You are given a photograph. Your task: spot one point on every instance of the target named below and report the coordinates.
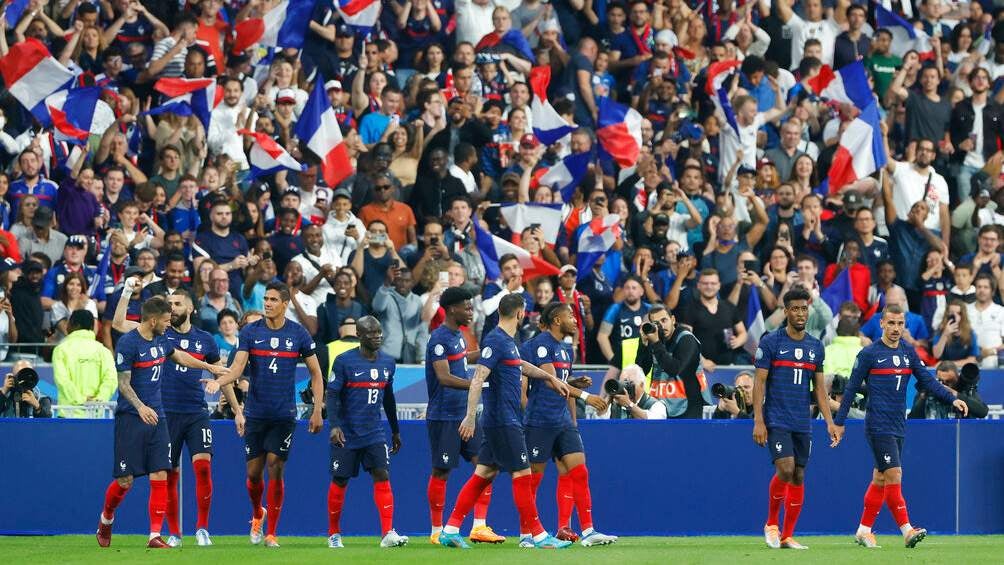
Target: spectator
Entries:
(873, 249)
(372, 259)
(433, 193)
(987, 258)
(285, 241)
(716, 323)
(174, 274)
(74, 254)
(227, 248)
(72, 297)
(217, 299)
(24, 223)
(42, 237)
(915, 333)
(976, 130)
(963, 291)
(399, 311)
(82, 367)
(27, 404)
(32, 181)
(226, 334)
(955, 340)
(302, 309)
(510, 281)
(842, 352)
(397, 217)
(928, 113)
(848, 310)
(820, 315)
(725, 244)
(917, 182)
(259, 274)
(728, 408)
(342, 230)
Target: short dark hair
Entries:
(464, 151)
(226, 312)
(656, 308)
(390, 89)
(156, 306)
(506, 258)
(966, 266)
(796, 293)
(80, 319)
(551, 311)
(511, 304)
(752, 64)
(174, 258)
(279, 287)
(848, 327)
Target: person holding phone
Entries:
(374, 257)
(955, 339)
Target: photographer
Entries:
(962, 384)
(836, 384)
(629, 399)
(19, 394)
(735, 402)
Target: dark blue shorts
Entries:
(140, 449)
(446, 446)
(344, 462)
(784, 443)
(192, 430)
(268, 436)
(552, 443)
(887, 451)
(504, 448)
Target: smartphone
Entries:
(749, 265)
(444, 277)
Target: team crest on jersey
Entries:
(289, 343)
(386, 372)
(777, 447)
(564, 356)
(153, 351)
(446, 458)
(637, 320)
(374, 374)
(198, 346)
(798, 353)
(334, 466)
(887, 458)
(541, 351)
(906, 361)
(812, 355)
(439, 349)
(536, 452)
(486, 353)
(122, 465)
(119, 359)
(184, 344)
(895, 360)
(274, 343)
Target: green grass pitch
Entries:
(68, 550)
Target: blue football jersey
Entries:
(271, 370)
(182, 389)
(887, 371)
(144, 360)
(446, 403)
(791, 366)
(546, 408)
(502, 398)
(360, 384)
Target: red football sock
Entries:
(481, 506)
(794, 497)
(437, 500)
(157, 505)
(172, 502)
(775, 498)
(896, 503)
(583, 498)
(276, 492)
(113, 497)
(336, 499)
(255, 491)
(874, 497)
(535, 479)
(522, 495)
(383, 496)
(566, 500)
(203, 491)
(467, 498)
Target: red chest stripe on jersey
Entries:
(561, 365)
(795, 364)
(270, 353)
(512, 362)
(893, 371)
(364, 384)
(456, 357)
(146, 364)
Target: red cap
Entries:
(529, 141)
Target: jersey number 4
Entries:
(273, 366)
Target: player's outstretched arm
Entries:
(317, 390)
(934, 386)
(537, 373)
(759, 390)
(473, 398)
(233, 373)
(185, 360)
(147, 414)
(824, 408)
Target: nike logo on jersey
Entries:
(142, 354)
(257, 341)
(359, 373)
(783, 351)
(883, 360)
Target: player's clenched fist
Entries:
(760, 433)
(467, 428)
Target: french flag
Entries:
(619, 132)
(567, 174)
(717, 87)
(513, 40)
(838, 292)
(860, 152)
(521, 216)
(548, 125)
(595, 240)
(848, 85)
(31, 74)
(267, 157)
(285, 25)
(362, 15)
(77, 113)
(189, 96)
(492, 247)
(904, 36)
(318, 128)
(755, 326)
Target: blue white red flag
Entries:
(318, 128)
(492, 247)
(860, 152)
(285, 25)
(566, 174)
(361, 15)
(267, 156)
(595, 240)
(31, 74)
(189, 97)
(77, 113)
(619, 132)
(548, 125)
(755, 326)
(849, 85)
(521, 216)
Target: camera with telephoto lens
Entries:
(838, 386)
(969, 379)
(613, 388)
(649, 328)
(722, 390)
(25, 380)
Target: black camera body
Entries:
(614, 388)
(838, 386)
(25, 380)
(721, 390)
(969, 379)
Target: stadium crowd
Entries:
(725, 199)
